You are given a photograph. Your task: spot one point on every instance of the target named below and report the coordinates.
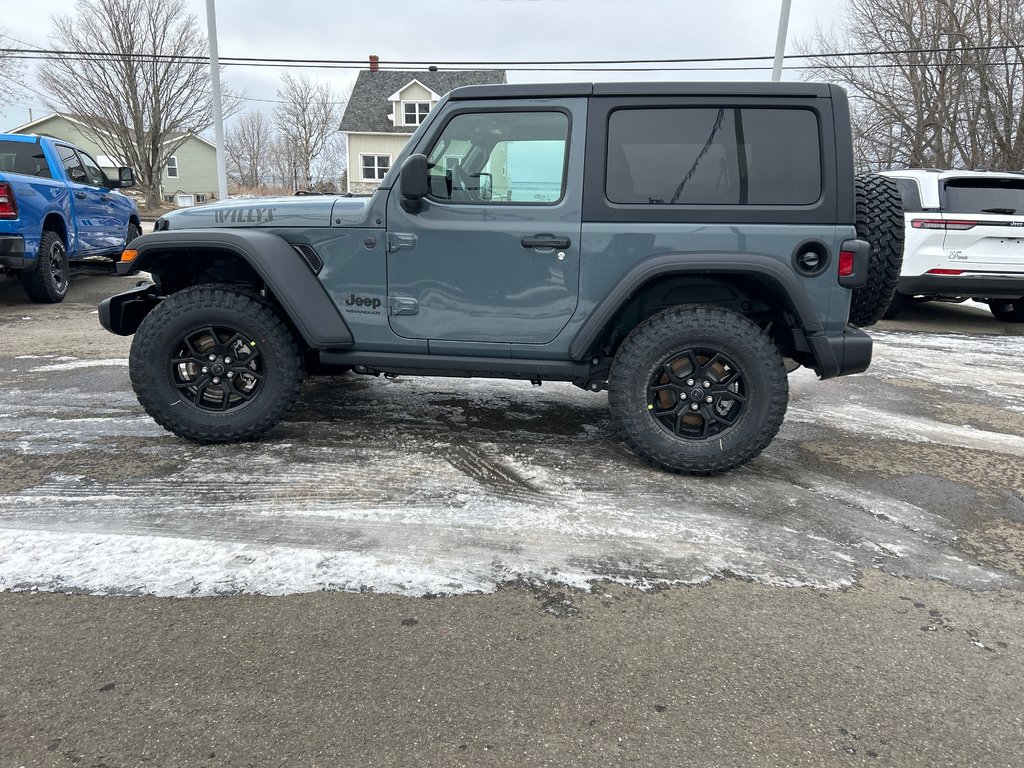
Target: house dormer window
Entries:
(414, 112)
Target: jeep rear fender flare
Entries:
(284, 272)
(668, 264)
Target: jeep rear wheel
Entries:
(879, 222)
(698, 390)
(215, 364)
(47, 282)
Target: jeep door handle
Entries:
(546, 241)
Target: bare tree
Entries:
(932, 82)
(248, 146)
(307, 117)
(142, 101)
(10, 74)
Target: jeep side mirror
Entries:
(125, 177)
(413, 182)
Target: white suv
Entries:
(964, 239)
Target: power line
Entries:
(598, 65)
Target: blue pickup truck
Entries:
(56, 204)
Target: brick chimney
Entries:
(374, 62)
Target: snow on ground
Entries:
(449, 486)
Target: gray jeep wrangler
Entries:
(681, 245)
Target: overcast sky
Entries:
(468, 30)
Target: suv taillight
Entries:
(846, 263)
(941, 224)
(8, 208)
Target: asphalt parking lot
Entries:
(450, 572)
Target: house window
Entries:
(374, 166)
(172, 167)
(415, 111)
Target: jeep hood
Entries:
(298, 211)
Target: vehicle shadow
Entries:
(944, 317)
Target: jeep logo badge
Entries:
(370, 304)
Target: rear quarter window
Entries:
(713, 156)
(978, 195)
(24, 157)
(910, 195)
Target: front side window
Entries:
(96, 176)
(415, 112)
(713, 156)
(375, 167)
(172, 167)
(72, 165)
(501, 157)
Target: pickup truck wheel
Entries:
(698, 390)
(1008, 311)
(215, 364)
(47, 282)
(133, 232)
(880, 222)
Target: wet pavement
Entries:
(507, 500)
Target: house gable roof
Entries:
(397, 95)
(371, 100)
(84, 122)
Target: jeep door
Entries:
(492, 253)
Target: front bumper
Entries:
(980, 285)
(12, 252)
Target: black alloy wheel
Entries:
(48, 281)
(698, 394)
(217, 369)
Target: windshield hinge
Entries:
(399, 240)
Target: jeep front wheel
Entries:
(698, 390)
(215, 364)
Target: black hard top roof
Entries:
(553, 90)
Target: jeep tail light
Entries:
(8, 208)
(945, 272)
(846, 263)
(942, 224)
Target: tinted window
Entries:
(96, 176)
(910, 194)
(23, 157)
(708, 156)
(72, 165)
(501, 157)
(1004, 196)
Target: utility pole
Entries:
(780, 41)
(218, 112)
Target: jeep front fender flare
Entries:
(763, 267)
(285, 273)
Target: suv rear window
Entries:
(25, 157)
(984, 196)
(707, 156)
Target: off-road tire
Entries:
(665, 337)
(879, 222)
(134, 231)
(1008, 311)
(899, 302)
(228, 309)
(47, 282)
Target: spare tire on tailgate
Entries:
(880, 223)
